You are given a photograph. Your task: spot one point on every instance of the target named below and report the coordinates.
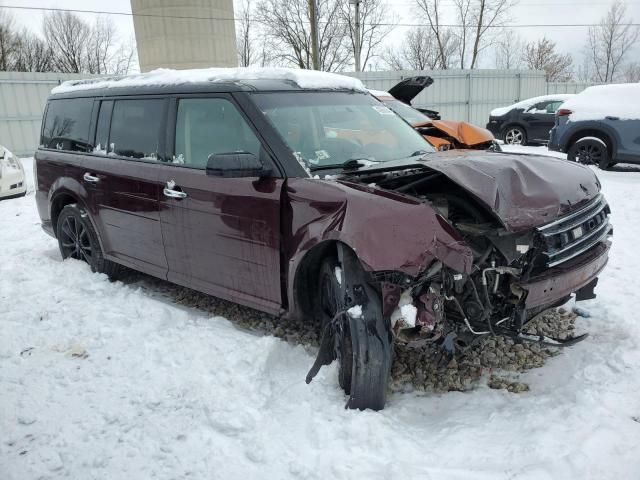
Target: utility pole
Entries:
(356, 42)
(313, 16)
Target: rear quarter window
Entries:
(66, 125)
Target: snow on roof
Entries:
(596, 103)
(311, 79)
(379, 93)
(529, 102)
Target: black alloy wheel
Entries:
(77, 239)
(590, 151)
(74, 240)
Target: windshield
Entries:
(408, 113)
(331, 128)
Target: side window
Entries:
(554, 106)
(102, 127)
(66, 126)
(206, 126)
(539, 108)
(135, 128)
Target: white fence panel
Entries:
(23, 97)
(471, 94)
(457, 94)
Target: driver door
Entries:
(221, 234)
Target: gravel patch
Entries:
(498, 359)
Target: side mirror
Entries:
(236, 165)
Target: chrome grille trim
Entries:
(597, 204)
(562, 242)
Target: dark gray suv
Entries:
(600, 126)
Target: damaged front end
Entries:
(518, 270)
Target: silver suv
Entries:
(600, 126)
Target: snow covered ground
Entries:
(116, 381)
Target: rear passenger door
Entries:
(223, 236)
(539, 120)
(122, 172)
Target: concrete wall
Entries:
(204, 35)
(471, 94)
(22, 100)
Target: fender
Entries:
(387, 231)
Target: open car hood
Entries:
(409, 88)
(523, 191)
(463, 132)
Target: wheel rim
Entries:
(513, 137)
(75, 240)
(589, 154)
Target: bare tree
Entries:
(478, 23)
(32, 54)
(80, 47)
(443, 36)
(7, 41)
(287, 28)
(68, 37)
(509, 48)
(610, 42)
(374, 27)
(247, 51)
(542, 55)
(631, 73)
(419, 51)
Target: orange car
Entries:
(442, 134)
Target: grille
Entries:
(576, 233)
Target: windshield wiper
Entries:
(351, 164)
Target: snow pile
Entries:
(310, 79)
(596, 103)
(355, 311)
(379, 93)
(115, 380)
(530, 102)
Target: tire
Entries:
(515, 136)
(590, 151)
(77, 239)
(363, 346)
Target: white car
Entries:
(12, 181)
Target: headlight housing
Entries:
(8, 161)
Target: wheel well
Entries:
(592, 133)
(59, 202)
(306, 286)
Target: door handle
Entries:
(169, 191)
(173, 193)
(612, 118)
(90, 178)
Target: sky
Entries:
(543, 12)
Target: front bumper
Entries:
(12, 183)
(559, 282)
(494, 127)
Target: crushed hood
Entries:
(524, 191)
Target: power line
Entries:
(381, 24)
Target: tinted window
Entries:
(206, 126)
(135, 128)
(102, 128)
(66, 126)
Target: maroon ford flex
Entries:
(298, 193)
